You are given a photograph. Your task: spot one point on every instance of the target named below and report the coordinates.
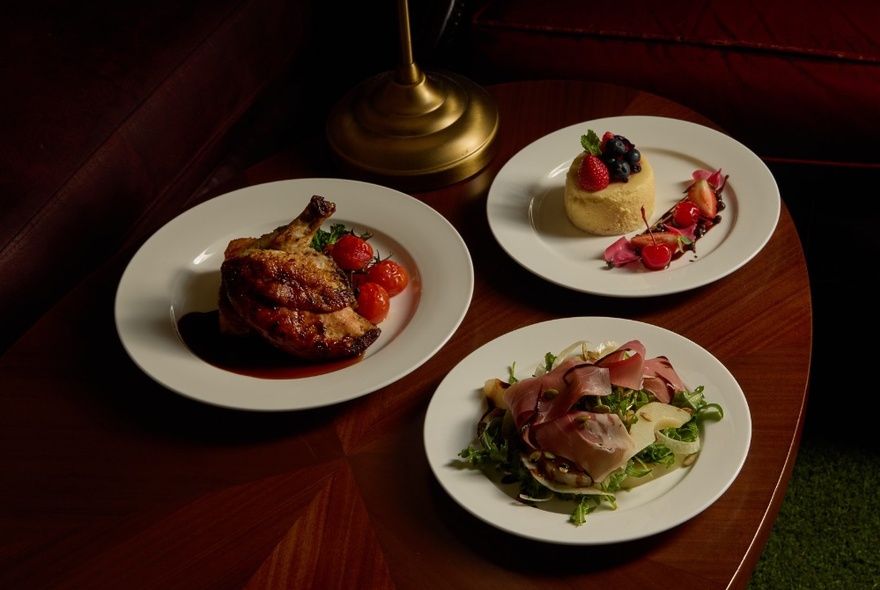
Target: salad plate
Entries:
(177, 271)
(653, 507)
(526, 213)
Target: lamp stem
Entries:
(407, 72)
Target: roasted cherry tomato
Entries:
(358, 278)
(390, 275)
(351, 252)
(373, 302)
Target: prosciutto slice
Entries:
(661, 379)
(626, 364)
(598, 443)
(543, 407)
(529, 400)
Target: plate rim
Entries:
(560, 146)
(471, 490)
(176, 368)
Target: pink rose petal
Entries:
(620, 252)
(716, 178)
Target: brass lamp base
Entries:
(412, 130)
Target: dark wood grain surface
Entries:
(108, 480)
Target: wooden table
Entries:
(108, 480)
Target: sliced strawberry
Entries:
(674, 241)
(593, 174)
(700, 193)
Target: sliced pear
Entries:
(493, 390)
(654, 417)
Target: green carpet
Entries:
(827, 534)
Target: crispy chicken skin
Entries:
(296, 298)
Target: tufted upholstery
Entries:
(787, 78)
(109, 110)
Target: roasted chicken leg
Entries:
(291, 295)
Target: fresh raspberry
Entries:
(608, 135)
(593, 174)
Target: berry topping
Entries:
(619, 170)
(633, 157)
(593, 174)
(605, 139)
(614, 148)
(619, 154)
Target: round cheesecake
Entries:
(614, 210)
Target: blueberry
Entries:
(619, 170)
(633, 156)
(614, 148)
(629, 145)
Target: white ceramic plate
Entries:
(178, 271)
(450, 426)
(527, 215)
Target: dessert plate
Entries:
(527, 216)
(177, 271)
(455, 408)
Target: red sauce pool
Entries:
(245, 355)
